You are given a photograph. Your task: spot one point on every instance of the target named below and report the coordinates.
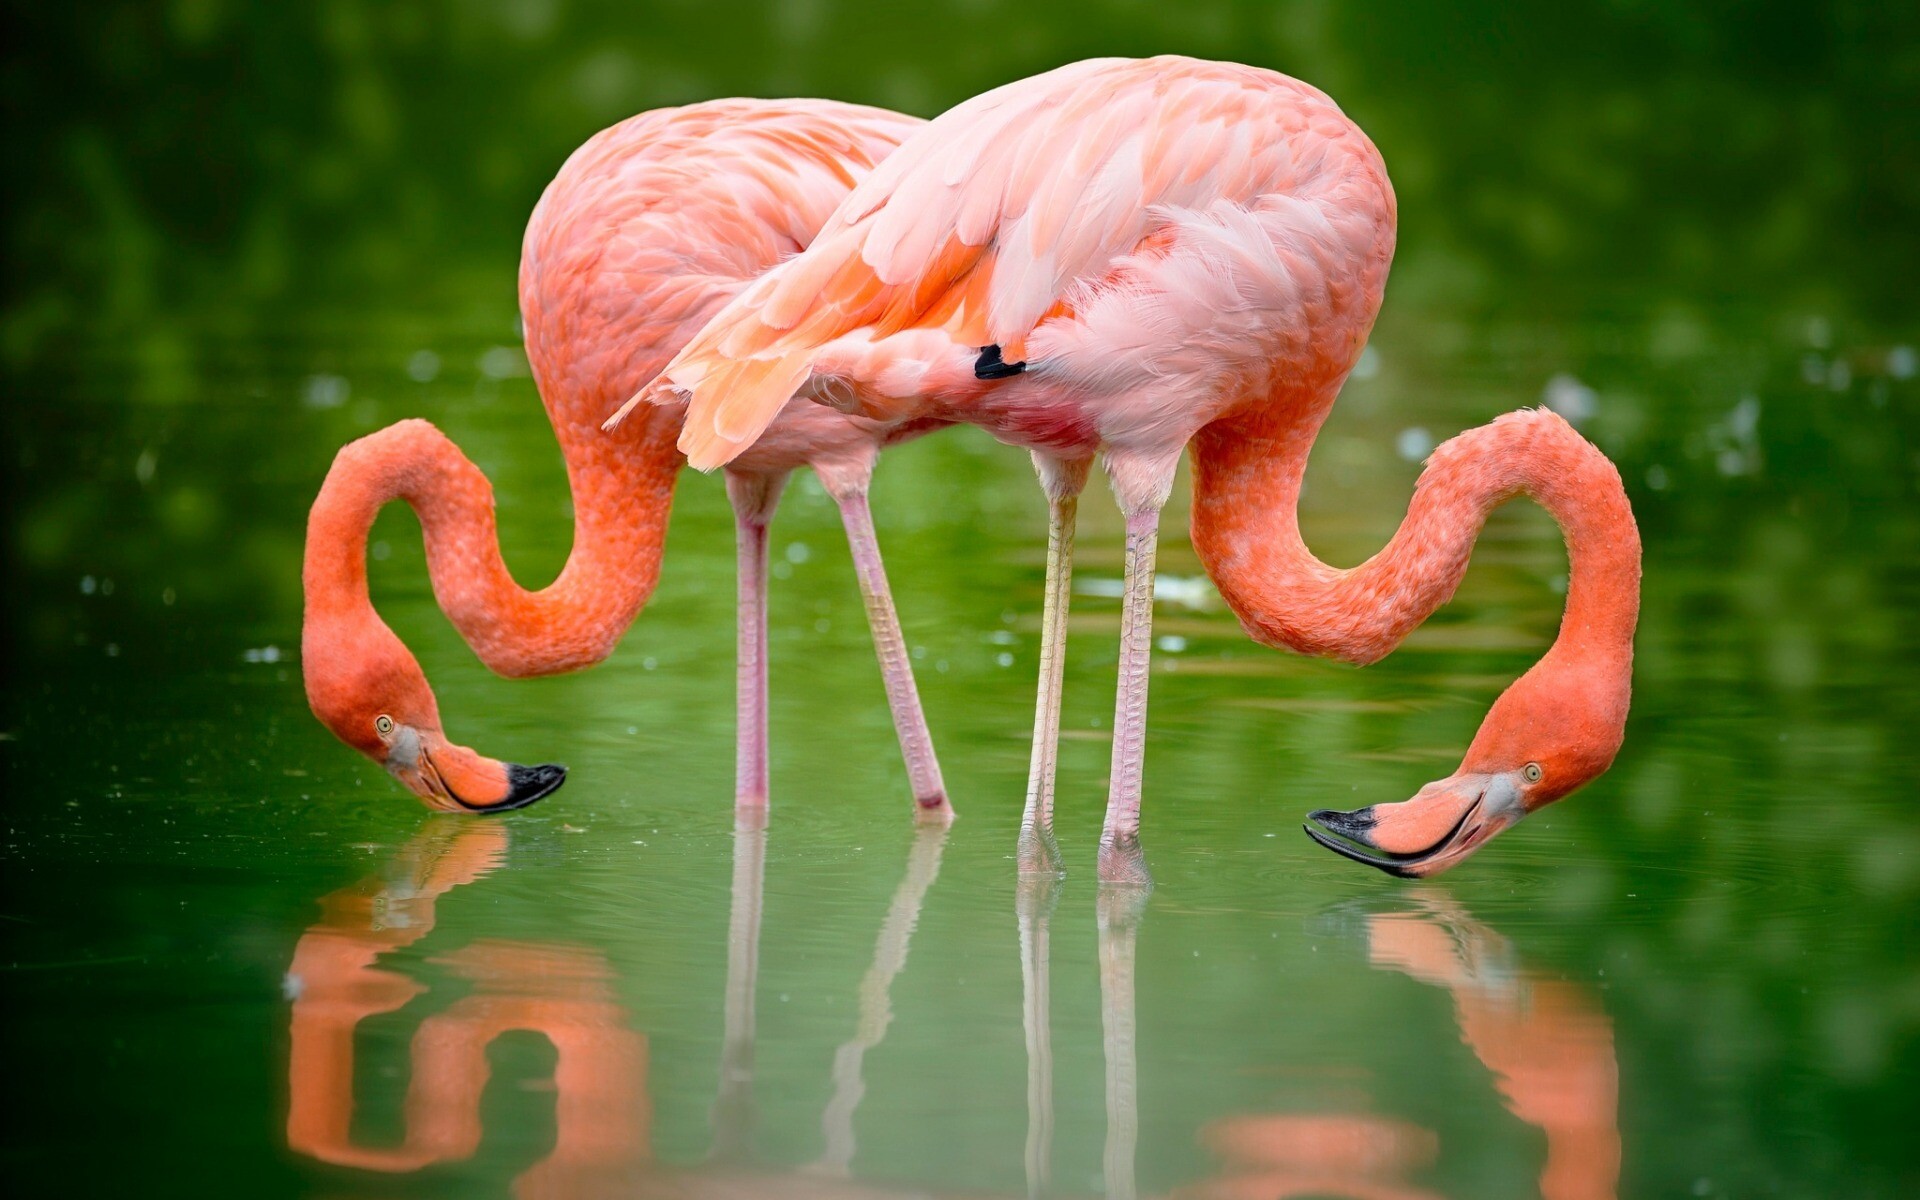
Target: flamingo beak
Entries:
(453, 778)
(1421, 837)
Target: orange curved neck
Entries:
(622, 488)
(1246, 529)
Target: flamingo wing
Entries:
(984, 221)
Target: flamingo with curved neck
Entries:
(648, 229)
(1556, 727)
(1124, 258)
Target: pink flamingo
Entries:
(647, 231)
(1132, 258)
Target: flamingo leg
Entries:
(733, 1110)
(754, 498)
(1033, 904)
(1062, 480)
(1141, 484)
(847, 484)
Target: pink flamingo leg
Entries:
(847, 483)
(1038, 853)
(754, 497)
(1141, 483)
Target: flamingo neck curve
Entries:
(1247, 533)
(622, 491)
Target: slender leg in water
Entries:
(733, 1115)
(876, 1008)
(1141, 486)
(847, 483)
(754, 498)
(1119, 912)
(1033, 904)
(1062, 480)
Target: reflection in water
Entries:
(733, 1111)
(561, 992)
(1118, 912)
(1547, 1043)
(602, 1116)
(876, 1010)
(1033, 905)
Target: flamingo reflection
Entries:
(602, 1116)
(563, 993)
(1547, 1043)
(1117, 915)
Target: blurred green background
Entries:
(189, 178)
(241, 235)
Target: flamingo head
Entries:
(1553, 731)
(372, 694)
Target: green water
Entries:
(238, 959)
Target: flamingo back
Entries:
(653, 224)
(1021, 206)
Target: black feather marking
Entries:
(991, 366)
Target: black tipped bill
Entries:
(1358, 826)
(1349, 850)
(525, 786)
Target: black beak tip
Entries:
(1357, 825)
(1348, 850)
(529, 785)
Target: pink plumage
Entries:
(1126, 258)
(646, 232)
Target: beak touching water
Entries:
(455, 779)
(1436, 829)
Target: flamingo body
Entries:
(1130, 258)
(645, 233)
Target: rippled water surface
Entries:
(238, 960)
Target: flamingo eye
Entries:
(1532, 772)
(383, 724)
